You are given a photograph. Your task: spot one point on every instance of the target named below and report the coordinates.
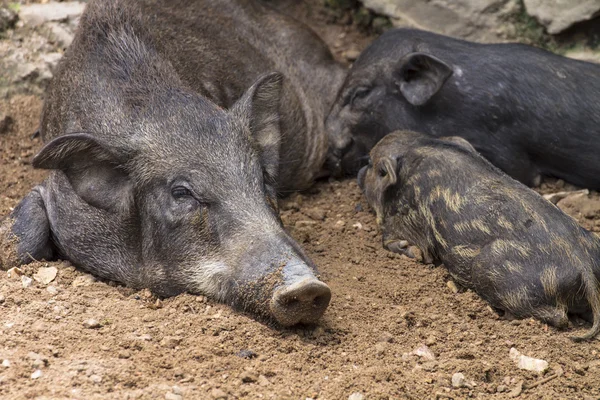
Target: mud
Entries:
(395, 328)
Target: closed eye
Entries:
(180, 192)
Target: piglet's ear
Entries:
(460, 141)
(94, 169)
(420, 76)
(260, 107)
(387, 170)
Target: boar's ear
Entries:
(386, 170)
(93, 168)
(460, 141)
(260, 107)
(420, 76)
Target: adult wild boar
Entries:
(169, 138)
(528, 111)
(496, 236)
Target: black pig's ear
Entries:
(260, 107)
(93, 168)
(461, 142)
(419, 76)
(387, 171)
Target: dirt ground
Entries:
(395, 329)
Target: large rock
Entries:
(479, 20)
(558, 15)
(38, 14)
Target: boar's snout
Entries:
(301, 302)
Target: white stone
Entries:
(528, 363)
(558, 15)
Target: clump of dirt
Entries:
(395, 328)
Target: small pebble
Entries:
(501, 388)
(247, 354)
(83, 280)
(95, 378)
(452, 286)
(459, 381)
(356, 396)
(36, 374)
(528, 363)
(124, 354)
(173, 396)
(2, 298)
(92, 324)
(218, 394)
(170, 342)
(248, 377)
(45, 275)
(52, 290)
(26, 281)
(424, 352)
(6, 363)
(14, 273)
(263, 381)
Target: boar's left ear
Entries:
(94, 169)
(260, 107)
(386, 170)
(420, 76)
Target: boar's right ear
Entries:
(93, 168)
(386, 169)
(419, 76)
(464, 143)
(260, 107)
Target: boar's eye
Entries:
(359, 94)
(382, 172)
(180, 192)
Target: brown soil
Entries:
(384, 307)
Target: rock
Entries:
(517, 390)
(6, 363)
(386, 337)
(26, 281)
(92, 324)
(83, 280)
(452, 286)
(96, 378)
(558, 15)
(52, 290)
(36, 374)
(263, 381)
(528, 363)
(459, 18)
(356, 396)
(583, 55)
(2, 298)
(45, 275)
(38, 360)
(351, 55)
(247, 354)
(218, 394)
(315, 213)
(176, 389)
(8, 18)
(424, 352)
(459, 381)
(248, 377)
(357, 225)
(579, 205)
(61, 33)
(554, 198)
(6, 122)
(38, 14)
(173, 396)
(124, 354)
(171, 342)
(501, 388)
(14, 273)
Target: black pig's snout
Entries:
(304, 302)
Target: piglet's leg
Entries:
(25, 233)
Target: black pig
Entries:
(496, 236)
(169, 137)
(528, 111)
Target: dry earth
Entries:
(90, 339)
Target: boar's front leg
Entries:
(25, 233)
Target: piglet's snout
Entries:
(303, 301)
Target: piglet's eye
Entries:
(382, 172)
(179, 192)
(360, 93)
